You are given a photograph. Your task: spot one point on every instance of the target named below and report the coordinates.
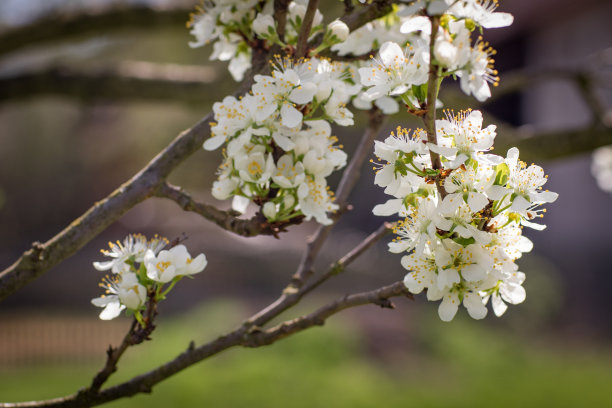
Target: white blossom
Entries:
(172, 263)
(122, 291)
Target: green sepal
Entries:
(420, 92)
(464, 241)
(502, 171)
(401, 168)
(470, 24)
(412, 198)
(142, 275)
(432, 172)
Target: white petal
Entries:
(265, 112)
(474, 273)
(520, 204)
(103, 266)
(384, 176)
(283, 141)
(303, 94)
(413, 24)
(475, 307)
(387, 105)
(514, 294)
(104, 300)
(450, 204)
(499, 307)
(444, 151)
(111, 311)
(448, 307)
(477, 201)
(389, 208)
(448, 277)
(497, 192)
(290, 116)
(197, 264)
(537, 227)
(391, 53)
(411, 282)
(399, 246)
(546, 197)
(496, 20)
(240, 204)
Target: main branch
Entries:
(248, 334)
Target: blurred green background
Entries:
(461, 364)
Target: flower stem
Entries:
(433, 85)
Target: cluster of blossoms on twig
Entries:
(463, 207)
(141, 271)
(462, 246)
(279, 148)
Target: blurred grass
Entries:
(462, 364)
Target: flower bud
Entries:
(339, 29)
(445, 53)
(288, 201)
(269, 210)
(262, 25)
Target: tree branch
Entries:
(58, 27)
(293, 293)
(128, 80)
(280, 16)
(302, 40)
(347, 183)
(248, 334)
(143, 185)
(258, 225)
(42, 257)
(364, 15)
(378, 297)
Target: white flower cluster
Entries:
(454, 53)
(139, 268)
(235, 26)
(462, 246)
(279, 147)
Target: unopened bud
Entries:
(339, 29)
(262, 25)
(269, 210)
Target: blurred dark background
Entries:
(65, 145)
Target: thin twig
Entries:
(41, 257)
(432, 95)
(346, 185)
(257, 225)
(293, 294)
(302, 40)
(248, 334)
(360, 17)
(280, 16)
(378, 297)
